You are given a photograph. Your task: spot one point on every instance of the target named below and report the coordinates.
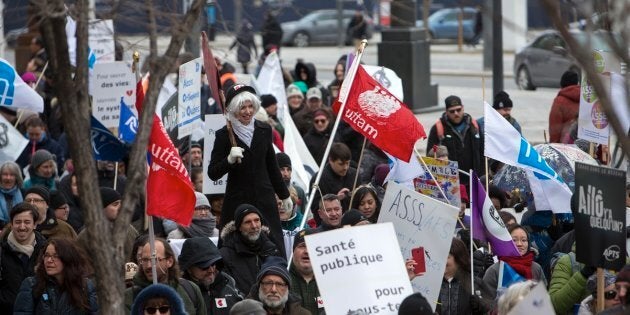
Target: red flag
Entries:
(380, 117)
(170, 192)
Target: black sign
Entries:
(600, 216)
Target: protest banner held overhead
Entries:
(189, 97)
(213, 123)
(358, 271)
(600, 219)
(421, 222)
(110, 82)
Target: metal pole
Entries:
(340, 28)
(152, 248)
(497, 47)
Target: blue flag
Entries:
(105, 145)
(15, 93)
(128, 124)
(508, 276)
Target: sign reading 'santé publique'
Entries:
(600, 217)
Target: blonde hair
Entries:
(514, 294)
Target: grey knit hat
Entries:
(39, 157)
(248, 307)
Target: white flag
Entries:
(12, 143)
(504, 143)
(15, 93)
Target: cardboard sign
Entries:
(213, 123)
(447, 175)
(110, 82)
(101, 40)
(189, 97)
(600, 221)
(359, 269)
(421, 221)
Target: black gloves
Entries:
(482, 261)
(476, 305)
(587, 271)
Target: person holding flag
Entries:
(253, 172)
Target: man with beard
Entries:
(303, 283)
(168, 274)
(272, 288)
(284, 163)
(196, 154)
(246, 244)
(202, 264)
(502, 104)
(203, 222)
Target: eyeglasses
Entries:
(609, 295)
(34, 200)
(49, 256)
(162, 309)
(269, 284)
(200, 209)
(453, 111)
(146, 261)
(320, 121)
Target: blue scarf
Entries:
(17, 198)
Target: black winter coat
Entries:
(253, 181)
(52, 301)
(465, 148)
(316, 142)
(47, 144)
(221, 295)
(331, 183)
(242, 260)
(15, 268)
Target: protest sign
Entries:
(109, 82)
(600, 219)
(189, 97)
(537, 301)
(421, 222)
(101, 40)
(447, 175)
(358, 270)
(213, 123)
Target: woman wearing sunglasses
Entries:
(611, 298)
(158, 299)
(60, 284)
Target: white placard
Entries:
(212, 124)
(359, 269)
(110, 82)
(421, 221)
(101, 40)
(189, 97)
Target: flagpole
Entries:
(356, 176)
(351, 74)
(115, 174)
(472, 264)
(17, 121)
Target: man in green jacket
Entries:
(302, 277)
(568, 283)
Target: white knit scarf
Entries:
(25, 249)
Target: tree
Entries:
(72, 90)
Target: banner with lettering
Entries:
(213, 123)
(358, 270)
(600, 219)
(109, 82)
(423, 225)
(189, 97)
(447, 176)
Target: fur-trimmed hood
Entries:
(230, 228)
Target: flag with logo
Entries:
(170, 192)
(504, 143)
(12, 143)
(379, 116)
(15, 93)
(487, 225)
(105, 145)
(507, 276)
(128, 124)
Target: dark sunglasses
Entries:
(319, 121)
(163, 309)
(453, 111)
(609, 295)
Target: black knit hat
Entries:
(502, 100)
(57, 199)
(283, 159)
(569, 78)
(235, 90)
(352, 217)
(452, 101)
(109, 195)
(267, 100)
(274, 265)
(243, 210)
(415, 304)
(41, 191)
(299, 237)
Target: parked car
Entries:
(320, 27)
(542, 62)
(444, 24)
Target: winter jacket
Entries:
(316, 142)
(254, 181)
(564, 111)
(567, 286)
(14, 269)
(455, 296)
(193, 305)
(55, 228)
(491, 278)
(311, 78)
(245, 41)
(35, 180)
(331, 183)
(465, 148)
(308, 292)
(52, 301)
(221, 295)
(46, 143)
(241, 259)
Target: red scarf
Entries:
(521, 264)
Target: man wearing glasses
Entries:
(273, 289)
(48, 224)
(460, 134)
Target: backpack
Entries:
(439, 127)
(575, 266)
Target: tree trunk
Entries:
(72, 91)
